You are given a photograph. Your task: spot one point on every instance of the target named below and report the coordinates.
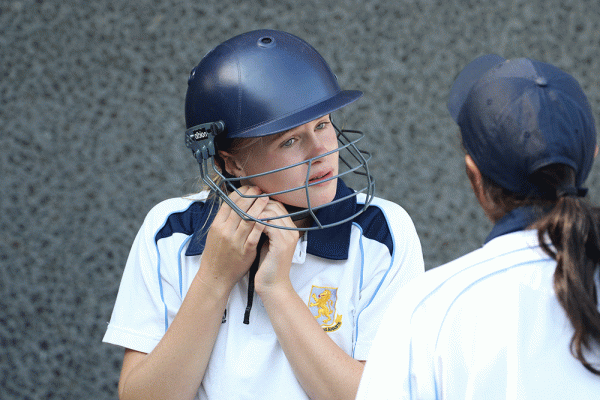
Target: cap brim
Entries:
(467, 78)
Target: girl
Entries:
(518, 318)
(270, 284)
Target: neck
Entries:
(303, 223)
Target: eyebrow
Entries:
(275, 136)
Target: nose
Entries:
(317, 144)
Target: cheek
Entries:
(333, 142)
(277, 181)
(333, 158)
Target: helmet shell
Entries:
(261, 83)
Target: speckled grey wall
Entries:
(91, 122)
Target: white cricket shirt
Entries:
(485, 326)
(347, 275)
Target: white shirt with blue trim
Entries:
(347, 275)
(485, 326)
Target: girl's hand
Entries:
(277, 253)
(231, 242)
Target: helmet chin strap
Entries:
(251, 275)
(255, 264)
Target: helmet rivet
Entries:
(266, 41)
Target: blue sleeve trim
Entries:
(362, 270)
(375, 220)
(179, 267)
(185, 222)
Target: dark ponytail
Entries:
(573, 229)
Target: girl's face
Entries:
(296, 145)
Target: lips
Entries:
(320, 176)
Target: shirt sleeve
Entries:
(139, 317)
(387, 371)
(385, 274)
(401, 361)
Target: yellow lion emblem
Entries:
(322, 305)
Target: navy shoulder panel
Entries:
(375, 226)
(186, 222)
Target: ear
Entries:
(473, 173)
(232, 165)
(476, 179)
(596, 151)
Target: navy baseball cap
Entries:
(517, 116)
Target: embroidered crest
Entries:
(322, 305)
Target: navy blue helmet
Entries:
(262, 83)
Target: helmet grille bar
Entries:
(351, 157)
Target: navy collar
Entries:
(516, 220)
(331, 243)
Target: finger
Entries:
(274, 211)
(250, 205)
(247, 227)
(246, 198)
(282, 232)
(223, 213)
(254, 235)
(242, 201)
(225, 209)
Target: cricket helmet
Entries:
(262, 83)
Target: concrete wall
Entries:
(91, 137)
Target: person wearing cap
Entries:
(519, 317)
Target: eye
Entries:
(288, 142)
(322, 125)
